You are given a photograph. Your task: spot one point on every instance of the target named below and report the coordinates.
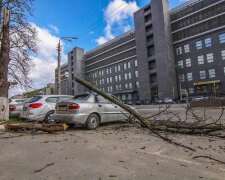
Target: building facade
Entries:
(171, 53)
(198, 30)
(113, 67)
(64, 79)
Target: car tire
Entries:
(92, 121)
(48, 118)
(131, 119)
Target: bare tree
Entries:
(22, 37)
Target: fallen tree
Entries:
(36, 127)
(148, 123)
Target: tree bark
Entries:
(4, 63)
(38, 127)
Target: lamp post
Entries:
(59, 49)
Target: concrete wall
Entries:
(165, 66)
(76, 68)
(144, 86)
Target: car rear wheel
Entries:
(48, 118)
(92, 121)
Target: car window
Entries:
(34, 99)
(81, 97)
(100, 99)
(65, 98)
(52, 99)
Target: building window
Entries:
(223, 54)
(119, 77)
(130, 85)
(222, 38)
(120, 86)
(179, 50)
(110, 70)
(126, 86)
(107, 71)
(188, 62)
(212, 73)
(201, 59)
(137, 83)
(107, 80)
(129, 75)
(208, 42)
(110, 79)
(125, 66)
(209, 57)
(191, 90)
(116, 78)
(125, 76)
(118, 67)
(103, 81)
(135, 63)
(180, 64)
(115, 68)
(102, 72)
(189, 77)
(128, 65)
(186, 48)
(117, 87)
(202, 74)
(199, 45)
(136, 73)
(181, 78)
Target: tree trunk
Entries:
(4, 63)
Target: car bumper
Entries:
(70, 118)
(14, 114)
(31, 117)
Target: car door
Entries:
(106, 109)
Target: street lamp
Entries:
(59, 49)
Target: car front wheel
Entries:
(92, 121)
(48, 118)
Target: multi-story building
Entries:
(64, 79)
(155, 51)
(113, 67)
(198, 30)
(170, 53)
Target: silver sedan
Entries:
(89, 110)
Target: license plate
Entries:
(62, 108)
(25, 108)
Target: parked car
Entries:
(16, 107)
(138, 102)
(200, 98)
(168, 101)
(41, 107)
(89, 110)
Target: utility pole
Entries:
(59, 49)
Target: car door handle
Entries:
(115, 106)
(99, 105)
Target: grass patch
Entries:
(12, 121)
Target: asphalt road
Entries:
(113, 151)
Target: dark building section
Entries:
(76, 68)
(155, 51)
(198, 29)
(113, 67)
(64, 79)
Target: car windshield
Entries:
(34, 99)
